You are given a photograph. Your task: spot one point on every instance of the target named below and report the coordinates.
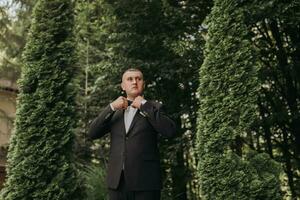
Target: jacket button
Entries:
(126, 137)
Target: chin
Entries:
(135, 94)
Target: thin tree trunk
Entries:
(179, 177)
(288, 164)
(266, 128)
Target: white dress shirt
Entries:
(129, 113)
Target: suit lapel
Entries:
(121, 123)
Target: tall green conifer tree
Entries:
(228, 91)
(40, 159)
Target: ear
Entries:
(122, 86)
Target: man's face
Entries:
(133, 83)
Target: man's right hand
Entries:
(120, 103)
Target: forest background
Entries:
(227, 72)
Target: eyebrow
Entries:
(132, 76)
(138, 76)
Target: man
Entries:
(134, 124)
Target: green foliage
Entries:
(228, 92)
(95, 186)
(160, 37)
(266, 183)
(274, 28)
(164, 39)
(14, 20)
(40, 158)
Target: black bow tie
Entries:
(129, 102)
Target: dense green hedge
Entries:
(40, 160)
(228, 91)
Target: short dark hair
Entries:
(132, 70)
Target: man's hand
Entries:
(120, 103)
(137, 102)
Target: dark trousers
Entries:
(121, 193)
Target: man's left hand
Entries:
(137, 102)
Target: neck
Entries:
(131, 98)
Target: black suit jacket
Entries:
(137, 150)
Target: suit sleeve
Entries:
(101, 124)
(158, 119)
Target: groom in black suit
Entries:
(134, 124)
